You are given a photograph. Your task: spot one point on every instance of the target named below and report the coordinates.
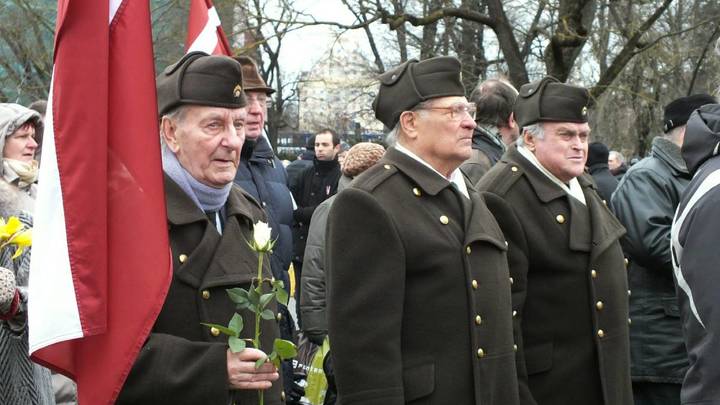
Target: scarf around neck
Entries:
(208, 199)
(26, 173)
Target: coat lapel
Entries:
(606, 229)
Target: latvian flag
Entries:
(100, 262)
(204, 30)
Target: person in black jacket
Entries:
(597, 164)
(316, 184)
(297, 166)
(645, 202)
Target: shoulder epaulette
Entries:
(501, 177)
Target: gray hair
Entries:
(536, 130)
(619, 156)
(177, 114)
(392, 137)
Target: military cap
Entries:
(678, 111)
(413, 82)
(548, 99)
(252, 81)
(198, 78)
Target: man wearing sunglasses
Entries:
(419, 303)
(569, 288)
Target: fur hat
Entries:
(361, 157)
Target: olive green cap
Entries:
(201, 79)
(413, 82)
(548, 99)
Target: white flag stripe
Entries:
(114, 6)
(207, 40)
(61, 321)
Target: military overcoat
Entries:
(419, 292)
(182, 361)
(570, 294)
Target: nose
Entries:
(467, 122)
(32, 144)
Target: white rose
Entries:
(261, 237)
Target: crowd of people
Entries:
(489, 253)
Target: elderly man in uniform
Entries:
(570, 296)
(419, 292)
(202, 109)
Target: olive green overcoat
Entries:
(570, 294)
(182, 362)
(419, 292)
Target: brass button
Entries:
(474, 284)
(468, 250)
(627, 262)
(511, 281)
(507, 244)
(278, 316)
(604, 202)
(514, 168)
(478, 320)
(282, 396)
(206, 294)
(387, 167)
(480, 353)
(214, 331)
(629, 293)
(182, 258)
(601, 333)
(515, 347)
(629, 321)
(514, 313)
(444, 220)
(417, 192)
(560, 219)
(599, 305)
(593, 273)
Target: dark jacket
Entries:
(487, 148)
(263, 176)
(696, 256)
(316, 184)
(620, 172)
(182, 362)
(419, 305)
(569, 287)
(297, 166)
(645, 202)
(606, 182)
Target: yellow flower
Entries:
(7, 229)
(22, 240)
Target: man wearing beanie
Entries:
(569, 283)
(203, 115)
(695, 255)
(645, 202)
(597, 165)
(419, 307)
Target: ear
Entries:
(408, 124)
(169, 133)
(511, 121)
(529, 140)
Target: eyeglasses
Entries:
(457, 111)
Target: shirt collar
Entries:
(455, 178)
(573, 187)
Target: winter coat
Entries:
(182, 361)
(316, 184)
(606, 182)
(487, 149)
(419, 305)
(696, 256)
(296, 167)
(645, 202)
(263, 176)
(570, 295)
(22, 382)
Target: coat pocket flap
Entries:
(418, 381)
(538, 358)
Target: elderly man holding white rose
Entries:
(202, 109)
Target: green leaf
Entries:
(236, 344)
(238, 295)
(265, 299)
(221, 328)
(236, 324)
(275, 359)
(282, 295)
(254, 297)
(285, 349)
(260, 362)
(267, 314)
(278, 284)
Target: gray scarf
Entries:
(209, 199)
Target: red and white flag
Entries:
(204, 30)
(100, 265)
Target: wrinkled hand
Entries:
(7, 290)
(242, 374)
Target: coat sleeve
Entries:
(312, 293)
(366, 289)
(518, 264)
(642, 204)
(173, 370)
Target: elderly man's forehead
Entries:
(571, 127)
(208, 112)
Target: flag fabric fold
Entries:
(204, 30)
(100, 265)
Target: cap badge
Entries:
(237, 91)
(584, 111)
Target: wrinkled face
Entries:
(207, 142)
(256, 113)
(563, 149)
(324, 148)
(21, 145)
(445, 138)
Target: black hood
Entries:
(702, 136)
